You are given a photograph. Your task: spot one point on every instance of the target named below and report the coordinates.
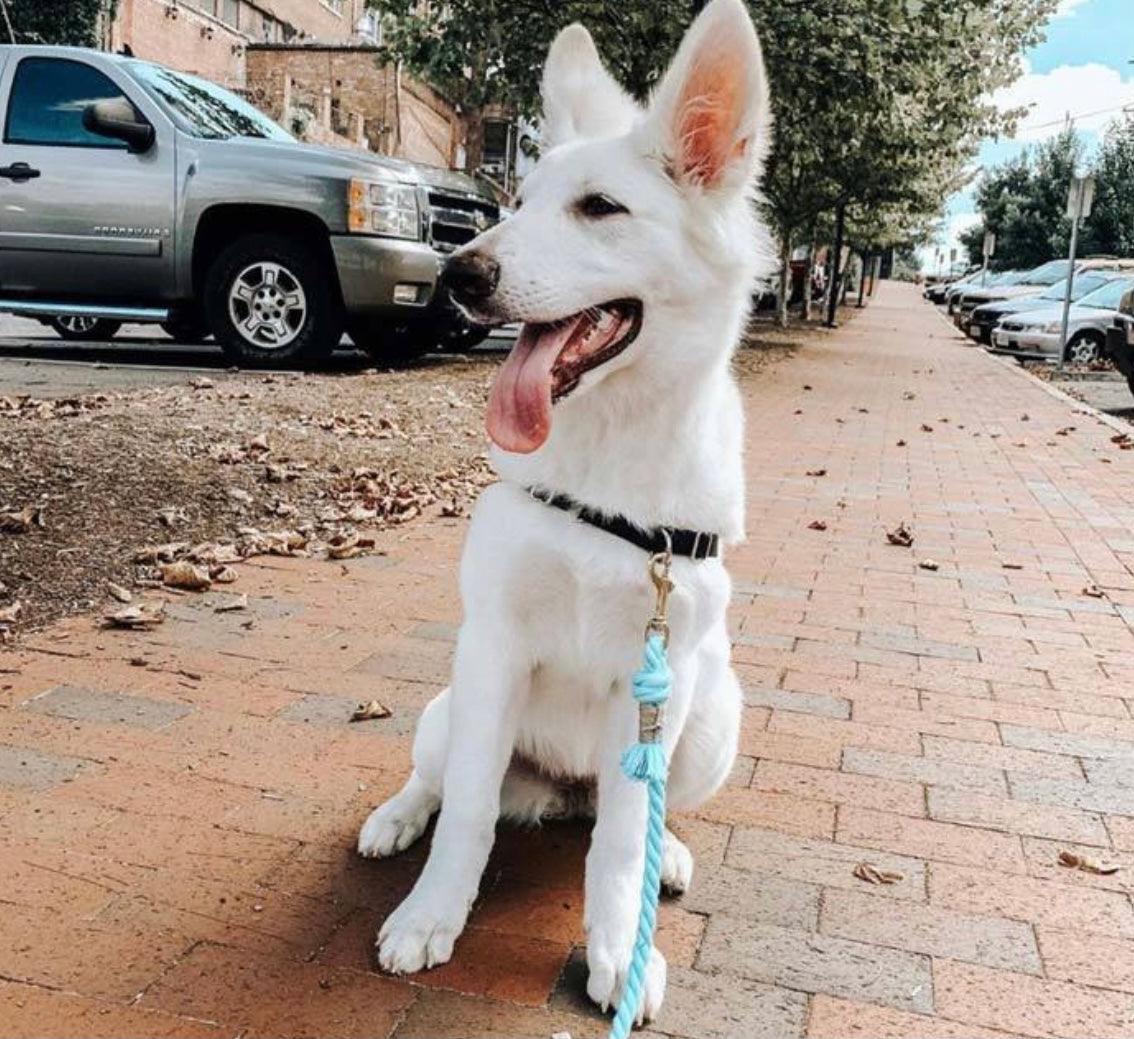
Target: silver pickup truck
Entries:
(130, 192)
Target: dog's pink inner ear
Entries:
(708, 119)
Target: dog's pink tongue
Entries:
(519, 408)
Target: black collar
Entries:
(692, 544)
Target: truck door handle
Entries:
(19, 171)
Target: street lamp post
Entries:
(1079, 202)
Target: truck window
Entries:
(49, 96)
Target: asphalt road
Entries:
(34, 360)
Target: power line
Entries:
(1127, 106)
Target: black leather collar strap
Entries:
(691, 544)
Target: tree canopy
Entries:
(1024, 200)
(69, 22)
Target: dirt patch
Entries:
(239, 465)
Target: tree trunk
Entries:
(805, 310)
(836, 260)
(785, 281)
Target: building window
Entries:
(334, 5)
(229, 12)
(369, 27)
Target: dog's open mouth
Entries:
(547, 363)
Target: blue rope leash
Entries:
(645, 762)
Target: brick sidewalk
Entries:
(176, 834)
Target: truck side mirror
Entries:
(117, 118)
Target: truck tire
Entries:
(392, 344)
(1085, 348)
(84, 329)
(269, 302)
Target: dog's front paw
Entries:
(608, 976)
(420, 933)
(677, 865)
(393, 827)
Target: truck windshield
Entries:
(203, 108)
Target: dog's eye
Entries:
(597, 206)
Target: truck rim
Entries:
(77, 324)
(267, 305)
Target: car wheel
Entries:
(1084, 348)
(392, 344)
(269, 302)
(84, 329)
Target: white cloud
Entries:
(1067, 7)
(1091, 93)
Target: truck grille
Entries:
(456, 219)
(1012, 326)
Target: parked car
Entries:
(935, 290)
(986, 316)
(131, 192)
(980, 281)
(1120, 339)
(1021, 283)
(1037, 333)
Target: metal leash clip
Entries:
(660, 565)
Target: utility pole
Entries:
(836, 262)
(988, 251)
(1079, 202)
(8, 21)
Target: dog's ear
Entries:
(580, 98)
(709, 117)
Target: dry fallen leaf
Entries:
(1064, 431)
(23, 521)
(873, 875)
(929, 564)
(145, 616)
(908, 395)
(372, 709)
(817, 525)
(222, 574)
(185, 575)
(1012, 566)
(901, 536)
(116, 591)
(1094, 592)
(259, 443)
(1072, 860)
(816, 472)
(9, 614)
(202, 382)
(238, 602)
(926, 427)
(901, 443)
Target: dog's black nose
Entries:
(471, 277)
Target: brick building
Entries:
(341, 94)
(210, 37)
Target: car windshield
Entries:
(203, 108)
(1048, 274)
(1084, 284)
(1109, 296)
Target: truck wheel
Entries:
(84, 329)
(269, 302)
(463, 338)
(392, 344)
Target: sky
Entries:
(1085, 67)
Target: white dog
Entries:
(630, 262)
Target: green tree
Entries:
(70, 22)
(1111, 224)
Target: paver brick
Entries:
(834, 1018)
(787, 700)
(821, 784)
(798, 750)
(1066, 743)
(1087, 959)
(706, 1006)
(821, 862)
(1034, 1006)
(1016, 816)
(992, 941)
(31, 769)
(930, 839)
(786, 812)
(1097, 795)
(916, 769)
(762, 898)
(1033, 900)
(817, 963)
(1032, 762)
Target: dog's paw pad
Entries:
(414, 938)
(677, 866)
(390, 829)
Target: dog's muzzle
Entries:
(470, 277)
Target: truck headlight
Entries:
(382, 208)
(1052, 328)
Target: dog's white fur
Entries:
(554, 609)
